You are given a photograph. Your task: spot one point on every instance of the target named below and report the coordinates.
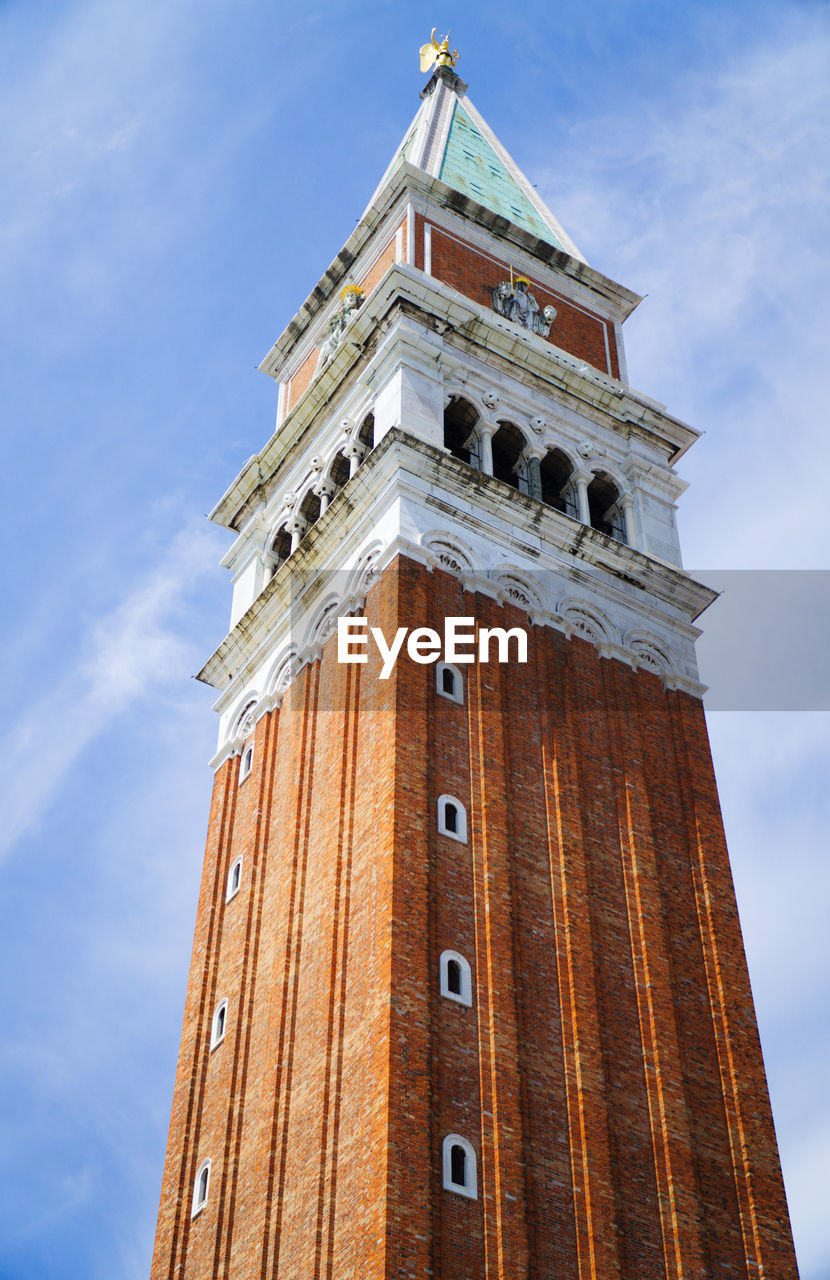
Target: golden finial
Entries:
(438, 55)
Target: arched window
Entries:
(459, 1166)
(217, 1029)
(200, 1188)
(606, 516)
(449, 682)
(339, 472)
(366, 434)
(508, 445)
(234, 879)
(281, 547)
(310, 508)
(455, 978)
(452, 818)
(247, 763)
(557, 490)
(460, 418)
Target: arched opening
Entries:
(281, 547)
(508, 444)
(455, 978)
(606, 516)
(200, 1187)
(460, 418)
(449, 682)
(556, 470)
(366, 434)
(247, 764)
(218, 1027)
(310, 508)
(234, 879)
(452, 818)
(339, 471)
(459, 1165)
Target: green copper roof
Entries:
(471, 166)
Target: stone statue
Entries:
(523, 306)
(544, 322)
(351, 299)
(502, 294)
(513, 300)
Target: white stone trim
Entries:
(414, 499)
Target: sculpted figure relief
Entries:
(514, 301)
(351, 299)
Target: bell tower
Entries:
(468, 995)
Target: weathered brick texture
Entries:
(608, 1074)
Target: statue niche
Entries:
(513, 300)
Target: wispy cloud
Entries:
(715, 205)
(132, 652)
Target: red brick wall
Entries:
(475, 273)
(608, 1074)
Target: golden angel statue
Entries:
(435, 54)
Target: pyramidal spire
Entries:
(451, 141)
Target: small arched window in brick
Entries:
(455, 978)
(459, 1166)
(234, 879)
(201, 1186)
(449, 682)
(217, 1028)
(247, 763)
(452, 818)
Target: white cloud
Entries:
(714, 203)
(128, 654)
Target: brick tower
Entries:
(468, 995)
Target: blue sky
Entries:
(178, 176)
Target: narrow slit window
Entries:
(234, 879)
(220, 1018)
(247, 763)
(201, 1186)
